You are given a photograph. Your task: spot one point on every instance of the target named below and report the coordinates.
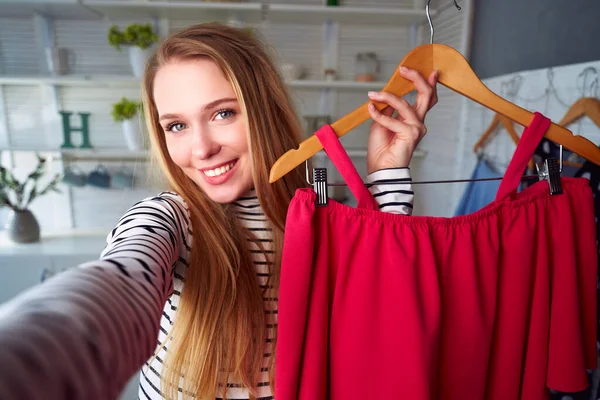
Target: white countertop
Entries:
(72, 242)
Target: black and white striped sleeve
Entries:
(392, 188)
(85, 332)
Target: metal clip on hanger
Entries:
(550, 171)
(320, 186)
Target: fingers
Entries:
(386, 120)
(432, 81)
(405, 111)
(411, 127)
(425, 91)
(388, 111)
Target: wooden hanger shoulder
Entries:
(585, 106)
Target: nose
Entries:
(204, 146)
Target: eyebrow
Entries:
(207, 106)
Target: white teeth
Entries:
(219, 171)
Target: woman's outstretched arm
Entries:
(85, 332)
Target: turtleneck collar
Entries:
(247, 200)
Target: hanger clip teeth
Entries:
(320, 186)
(550, 171)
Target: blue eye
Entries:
(225, 114)
(175, 127)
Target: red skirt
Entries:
(498, 304)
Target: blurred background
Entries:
(70, 83)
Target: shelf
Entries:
(72, 80)
(57, 9)
(95, 154)
(119, 154)
(249, 12)
(292, 13)
(348, 85)
(130, 81)
(199, 10)
(103, 154)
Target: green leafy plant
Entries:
(18, 195)
(125, 109)
(140, 35)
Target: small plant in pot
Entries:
(139, 39)
(21, 225)
(126, 112)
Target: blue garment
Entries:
(479, 194)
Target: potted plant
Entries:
(139, 38)
(21, 225)
(125, 112)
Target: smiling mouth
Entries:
(219, 170)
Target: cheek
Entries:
(239, 140)
(179, 152)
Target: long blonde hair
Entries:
(220, 328)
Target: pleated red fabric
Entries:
(497, 304)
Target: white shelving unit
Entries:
(44, 12)
(119, 154)
(94, 154)
(298, 13)
(119, 9)
(314, 37)
(248, 11)
(56, 9)
(129, 81)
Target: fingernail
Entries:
(403, 68)
(371, 107)
(373, 94)
(436, 73)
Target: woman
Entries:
(197, 266)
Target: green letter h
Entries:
(68, 129)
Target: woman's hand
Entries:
(392, 141)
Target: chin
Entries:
(223, 195)
(227, 192)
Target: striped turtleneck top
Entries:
(85, 332)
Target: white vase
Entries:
(138, 58)
(133, 134)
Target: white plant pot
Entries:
(133, 134)
(138, 58)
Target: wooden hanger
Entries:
(455, 73)
(585, 106)
(507, 124)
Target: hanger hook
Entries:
(429, 18)
(307, 173)
(550, 77)
(585, 85)
(512, 86)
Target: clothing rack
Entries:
(549, 171)
(395, 182)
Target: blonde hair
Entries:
(220, 328)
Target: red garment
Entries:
(497, 304)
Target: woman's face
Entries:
(204, 127)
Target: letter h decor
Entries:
(68, 129)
